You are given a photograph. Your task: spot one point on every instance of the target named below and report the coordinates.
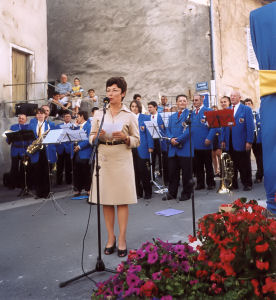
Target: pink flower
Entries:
(156, 276)
(132, 280)
(133, 268)
(167, 298)
(120, 268)
(140, 254)
(152, 258)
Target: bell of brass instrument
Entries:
(36, 145)
(227, 172)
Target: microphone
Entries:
(106, 100)
(188, 120)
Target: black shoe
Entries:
(168, 197)
(77, 194)
(247, 188)
(184, 198)
(122, 253)
(200, 187)
(110, 250)
(210, 187)
(147, 197)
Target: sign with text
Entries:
(202, 86)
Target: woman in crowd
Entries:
(216, 152)
(141, 154)
(116, 175)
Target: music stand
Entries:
(58, 136)
(22, 136)
(220, 118)
(152, 128)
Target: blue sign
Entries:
(202, 86)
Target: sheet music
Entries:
(58, 136)
(109, 128)
(165, 117)
(153, 129)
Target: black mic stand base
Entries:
(100, 267)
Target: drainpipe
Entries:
(213, 89)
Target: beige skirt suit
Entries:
(116, 174)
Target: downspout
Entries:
(213, 89)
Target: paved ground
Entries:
(38, 252)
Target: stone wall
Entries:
(232, 72)
(158, 46)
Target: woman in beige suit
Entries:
(117, 180)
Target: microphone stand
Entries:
(100, 266)
(189, 123)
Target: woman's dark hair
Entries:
(228, 98)
(138, 103)
(119, 81)
(248, 100)
(84, 114)
(77, 78)
(153, 103)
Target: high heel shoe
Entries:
(110, 250)
(122, 253)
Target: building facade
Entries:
(24, 59)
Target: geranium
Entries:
(270, 286)
(262, 248)
(234, 260)
(148, 289)
(261, 265)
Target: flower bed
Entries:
(235, 261)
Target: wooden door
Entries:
(19, 75)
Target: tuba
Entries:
(36, 145)
(227, 172)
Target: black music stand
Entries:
(22, 136)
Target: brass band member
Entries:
(117, 181)
(18, 150)
(40, 158)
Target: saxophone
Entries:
(227, 172)
(36, 145)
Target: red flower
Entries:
(132, 255)
(202, 256)
(228, 270)
(262, 248)
(192, 238)
(253, 228)
(272, 227)
(166, 273)
(226, 255)
(262, 265)
(255, 284)
(201, 273)
(270, 286)
(148, 289)
(216, 277)
(259, 239)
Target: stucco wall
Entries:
(232, 71)
(158, 46)
(23, 23)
